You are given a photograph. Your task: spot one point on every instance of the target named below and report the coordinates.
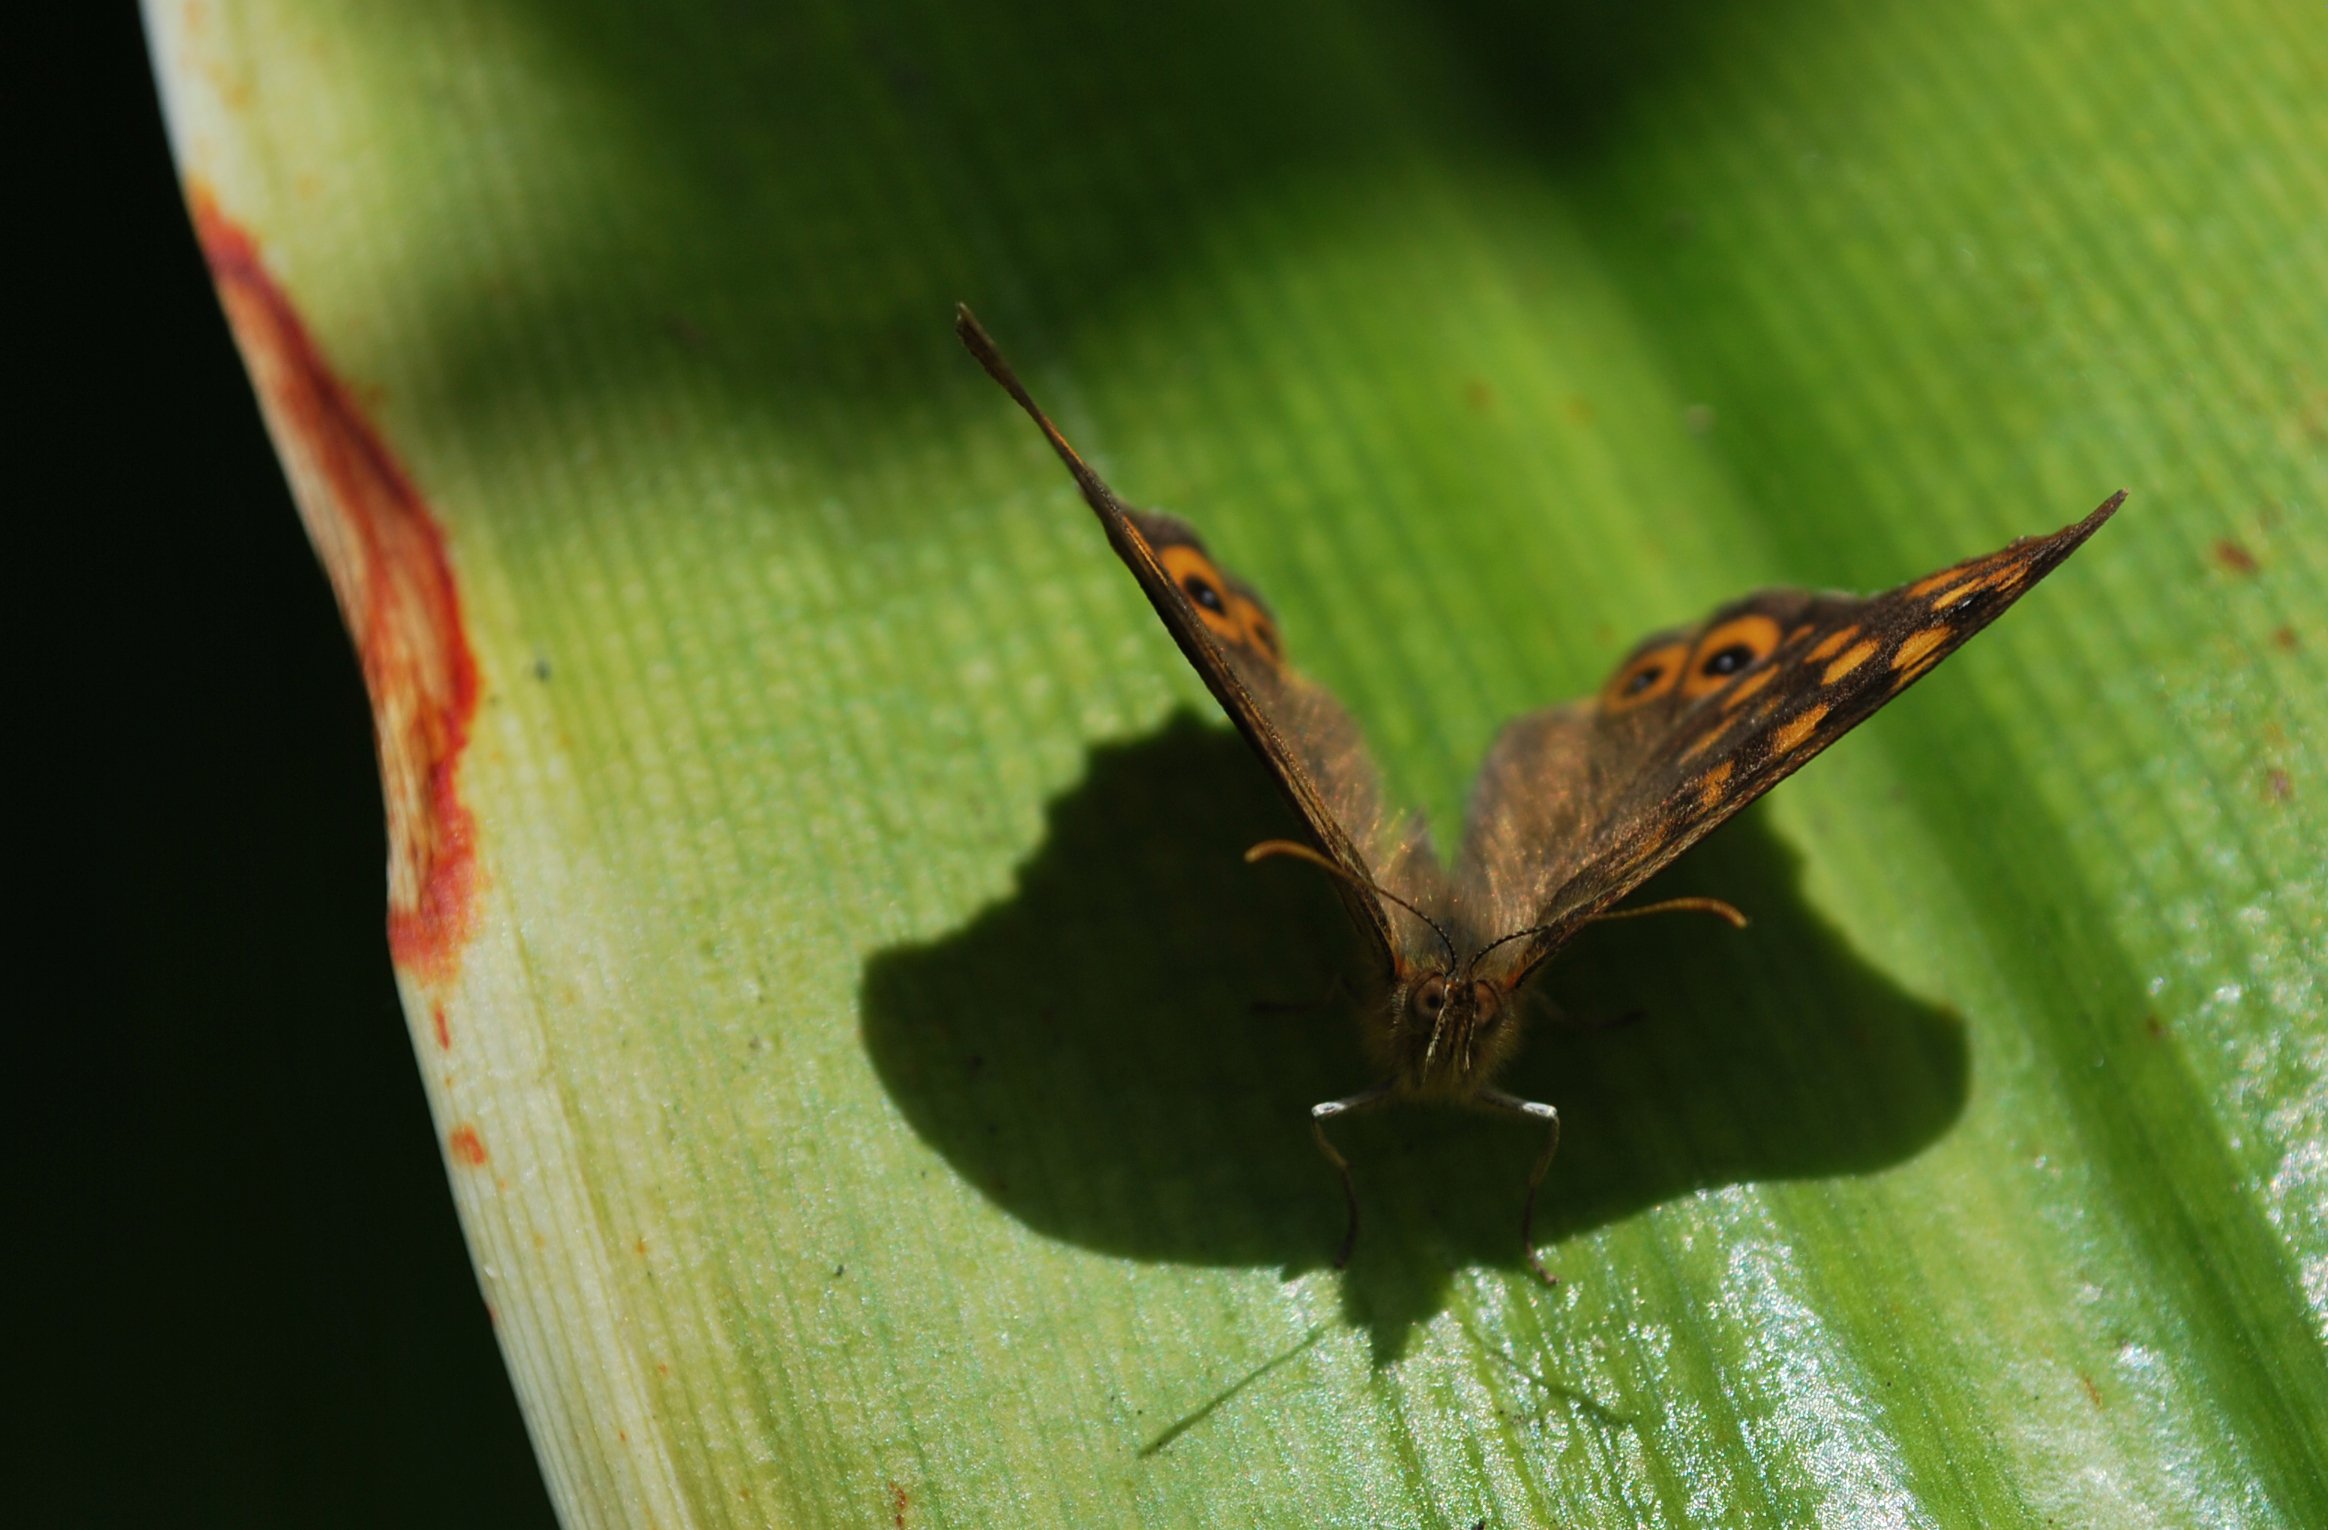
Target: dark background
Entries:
(248, 1302)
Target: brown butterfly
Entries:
(1575, 806)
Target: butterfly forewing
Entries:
(1312, 747)
(1578, 806)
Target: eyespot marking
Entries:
(1859, 653)
(1828, 646)
(1193, 574)
(1790, 737)
(1729, 648)
(1919, 644)
(1260, 631)
(1747, 687)
(1644, 679)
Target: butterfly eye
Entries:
(1487, 1003)
(1641, 679)
(1430, 996)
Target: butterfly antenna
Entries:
(1500, 940)
(1274, 847)
(1714, 906)
(980, 344)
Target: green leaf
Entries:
(816, 889)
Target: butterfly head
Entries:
(1449, 1031)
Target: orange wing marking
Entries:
(1711, 785)
(1859, 653)
(1755, 633)
(1918, 645)
(1790, 737)
(1828, 646)
(1747, 687)
(1193, 574)
(1644, 680)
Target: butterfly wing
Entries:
(1311, 745)
(1577, 806)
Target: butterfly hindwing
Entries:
(1579, 805)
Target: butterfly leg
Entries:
(1532, 1111)
(1320, 1114)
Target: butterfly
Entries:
(1574, 807)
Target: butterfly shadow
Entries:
(1122, 1051)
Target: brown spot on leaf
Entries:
(2279, 786)
(2231, 558)
(466, 1146)
(2093, 1393)
(2284, 639)
(898, 1503)
(390, 571)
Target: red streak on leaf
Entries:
(467, 1147)
(386, 557)
(444, 1031)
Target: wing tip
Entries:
(2048, 552)
(981, 345)
(2100, 513)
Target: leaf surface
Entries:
(816, 884)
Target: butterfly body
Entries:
(1574, 807)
